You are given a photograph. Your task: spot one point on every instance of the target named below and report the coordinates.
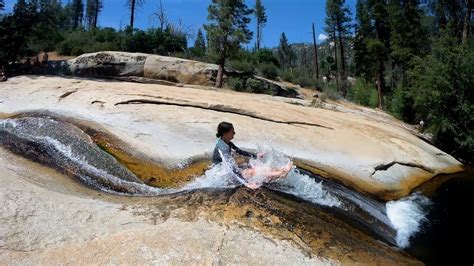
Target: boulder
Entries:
(108, 64)
(179, 70)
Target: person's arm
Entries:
(242, 152)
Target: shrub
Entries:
(235, 83)
(255, 86)
(268, 70)
(363, 93)
(245, 67)
(331, 92)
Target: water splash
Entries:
(407, 216)
(307, 188)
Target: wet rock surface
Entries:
(48, 218)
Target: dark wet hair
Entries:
(223, 128)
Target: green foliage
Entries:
(266, 56)
(440, 92)
(93, 8)
(244, 66)
(107, 39)
(199, 49)
(363, 93)
(77, 13)
(15, 30)
(400, 104)
(261, 21)
(330, 90)
(286, 54)
(237, 84)
(228, 27)
(268, 70)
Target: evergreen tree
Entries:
(441, 91)
(47, 31)
(467, 22)
(199, 48)
(286, 55)
(93, 8)
(261, 21)
(77, 13)
(338, 19)
(449, 15)
(372, 42)
(408, 38)
(2, 5)
(133, 5)
(15, 30)
(227, 30)
(364, 32)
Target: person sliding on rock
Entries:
(224, 147)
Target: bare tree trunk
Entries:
(161, 15)
(132, 15)
(220, 69)
(343, 64)
(96, 13)
(220, 75)
(258, 35)
(379, 83)
(335, 58)
(316, 66)
(467, 22)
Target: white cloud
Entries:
(322, 37)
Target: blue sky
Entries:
(292, 17)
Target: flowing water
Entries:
(69, 149)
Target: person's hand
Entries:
(252, 185)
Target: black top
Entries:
(226, 149)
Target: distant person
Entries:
(44, 61)
(36, 62)
(3, 74)
(224, 147)
(422, 125)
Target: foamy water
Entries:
(308, 189)
(407, 216)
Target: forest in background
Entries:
(414, 61)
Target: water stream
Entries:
(69, 149)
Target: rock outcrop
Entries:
(366, 150)
(156, 67)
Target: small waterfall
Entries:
(407, 216)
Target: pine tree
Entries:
(261, 21)
(93, 8)
(199, 48)
(46, 33)
(364, 31)
(227, 30)
(408, 37)
(467, 22)
(372, 42)
(286, 55)
(338, 23)
(2, 5)
(16, 29)
(77, 13)
(133, 5)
